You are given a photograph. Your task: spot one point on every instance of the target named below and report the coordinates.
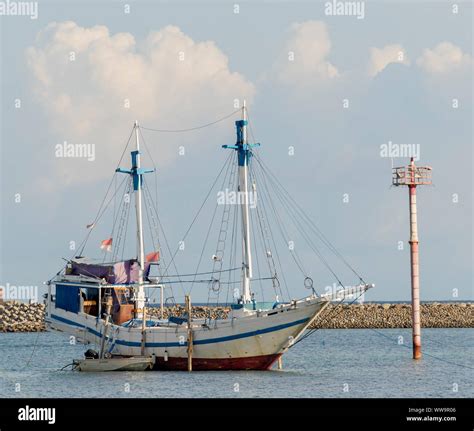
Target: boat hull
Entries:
(248, 342)
(257, 363)
(114, 364)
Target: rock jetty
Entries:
(368, 315)
(21, 317)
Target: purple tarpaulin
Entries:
(124, 272)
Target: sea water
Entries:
(329, 363)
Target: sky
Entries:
(327, 95)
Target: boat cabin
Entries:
(86, 284)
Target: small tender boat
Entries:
(114, 364)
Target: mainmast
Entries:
(244, 152)
(140, 304)
(137, 175)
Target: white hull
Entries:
(254, 340)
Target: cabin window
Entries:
(122, 309)
(67, 297)
(89, 300)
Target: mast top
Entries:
(242, 146)
(136, 171)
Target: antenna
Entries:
(413, 176)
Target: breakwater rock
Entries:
(20, 317)
(368, 315)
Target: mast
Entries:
(140, 304)
(136, 172)
(243, 188)
(244, 152)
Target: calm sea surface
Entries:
(329, 363)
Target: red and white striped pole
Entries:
(415, 267)
(412, 177)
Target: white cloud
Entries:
(444, 58)
(169, 81)
(304, 60)
(380, 58)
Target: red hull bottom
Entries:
(259, 363)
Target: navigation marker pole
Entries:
(413, 176)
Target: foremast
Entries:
(244, 154)
(136, 172)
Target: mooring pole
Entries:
(162, 309)
(412, 176)
(106, 326)
(190, 333)
(280, 364)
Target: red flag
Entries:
(153, 256)
(106, 244)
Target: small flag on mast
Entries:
(153, 256)
(106, 244)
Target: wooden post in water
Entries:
(190, 332)
(143, 331)
(162, 309)
(280, 364)
(108, 308)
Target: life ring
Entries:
(308, 283)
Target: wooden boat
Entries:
(256, 332)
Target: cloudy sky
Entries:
(338, 89)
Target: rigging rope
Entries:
(222, 237)
(192, 128)
(202, 273)
(199, 210)
(153, 206)
(313, 330)
(267, 248)
(84, 242)
(424, 352)
(283, 231)
(306, 237)
(233, 251)
(148, 193)
(229, 163)
(308, 219)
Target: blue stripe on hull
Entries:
(196, 342)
